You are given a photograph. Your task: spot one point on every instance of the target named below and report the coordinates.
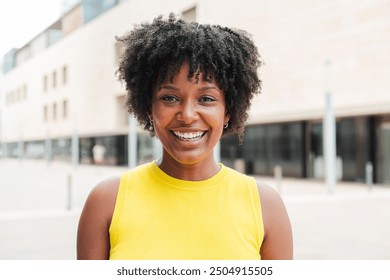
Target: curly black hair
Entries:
(154, 50)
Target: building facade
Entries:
(60, 96)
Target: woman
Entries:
(188, 84)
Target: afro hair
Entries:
(154, 50)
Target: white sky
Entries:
(22, 20)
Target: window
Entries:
(64, 75)
(54, 111)
(54, 79)
(45, 83)
(45, 113)
(65, 109)
(269, 145)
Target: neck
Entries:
(190, 172)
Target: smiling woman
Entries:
(188, 84)
(188, 117)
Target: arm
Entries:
(93, 240)
(278, 242)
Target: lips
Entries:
(189, 136)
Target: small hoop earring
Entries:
(150, 124)
(226, 125)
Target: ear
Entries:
(150, 117)
(227, 117)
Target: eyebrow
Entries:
(209, 87)
(167, 87)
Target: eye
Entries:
(169, 98)
(206, 99)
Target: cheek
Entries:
(215, 122)
(216, 117)
(158, 113)
(161, 119)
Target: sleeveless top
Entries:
(159, 217)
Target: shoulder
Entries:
(272, 205)
(106, 189)
(104, 195)
(269, 197)
(102, 198)
(277, 242)
(92, 234)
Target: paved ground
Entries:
(36, 223)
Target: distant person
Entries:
(188, 84)
(98, 152)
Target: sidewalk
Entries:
(35, 223)
(352, 223)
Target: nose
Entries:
(188, 112)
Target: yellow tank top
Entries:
(159, 217)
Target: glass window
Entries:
(62, 149)
(315, 158)
(64, 75)
(54, 79)
(35, 149)
(45, 113)
(54, 111)
(13, 149)
(231, 152)
(45, 83)
(112, 150)
(384, 161)
(353, 147)
(65, 109)
(266, 146)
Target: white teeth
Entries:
(189, 135)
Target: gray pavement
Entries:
(36, 222)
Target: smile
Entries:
(189, 136)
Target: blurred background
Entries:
(64, 125)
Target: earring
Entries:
(226, 125)
(150, 126)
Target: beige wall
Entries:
(295, 39)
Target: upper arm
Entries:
(278, 242)
(93, 240)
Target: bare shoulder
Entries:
(271, 201)
(102, 198)
(268, 195)
(93, 236)
(106, 190)
(277, 243)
